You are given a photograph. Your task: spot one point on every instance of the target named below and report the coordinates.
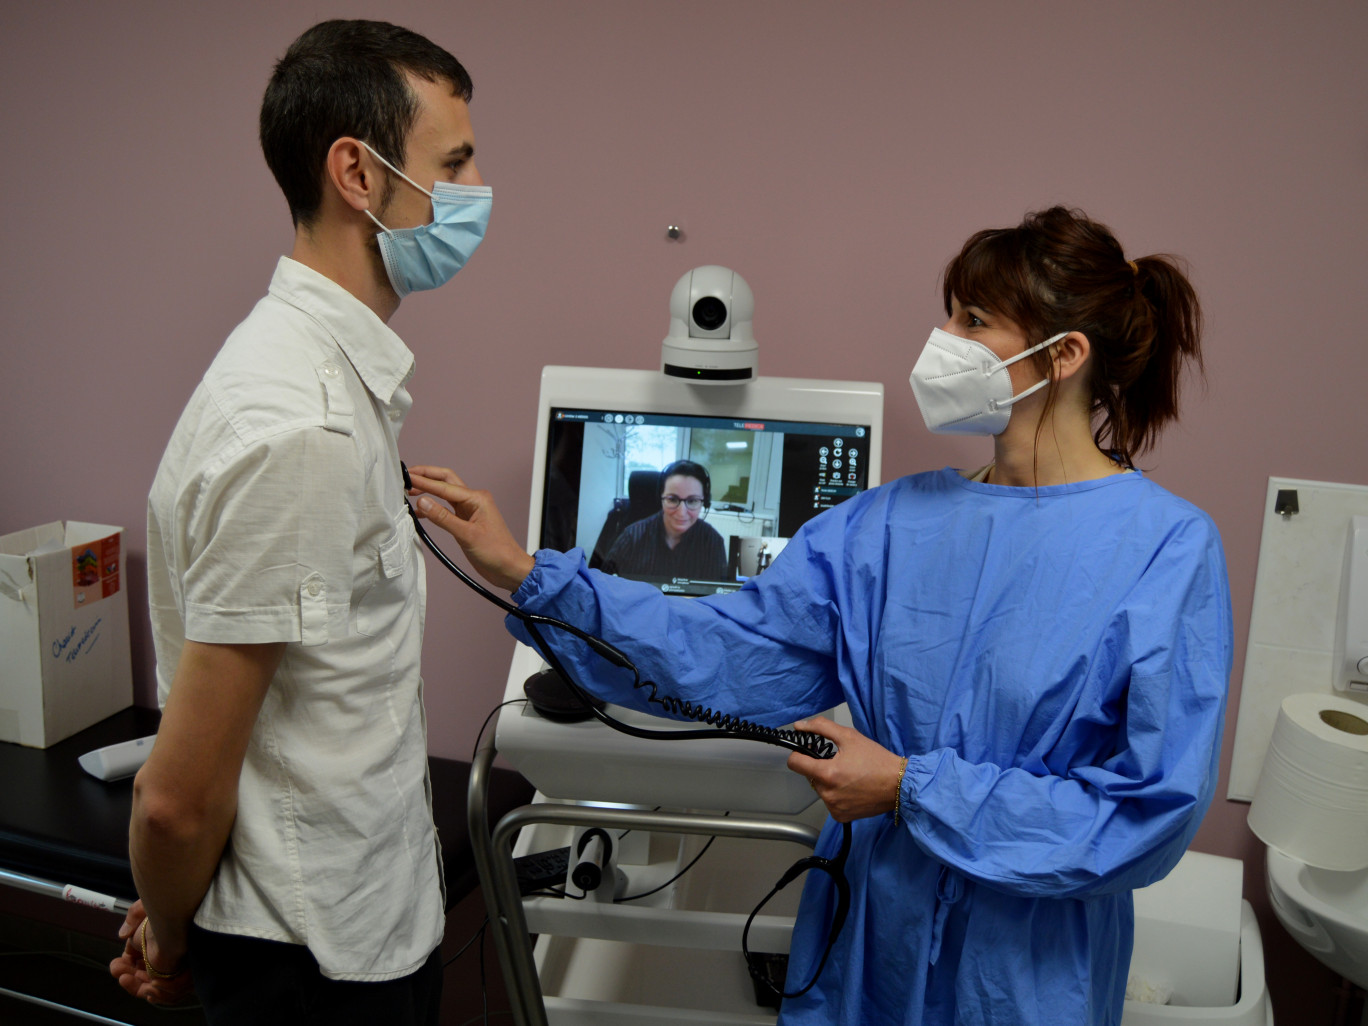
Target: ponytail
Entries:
(1165, 331)
(1059, 271)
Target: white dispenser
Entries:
(1351, 631)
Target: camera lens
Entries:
(710, 313)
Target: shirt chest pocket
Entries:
(392, 583)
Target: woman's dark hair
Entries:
(690, 469)
(345, 78)
(1060, 271)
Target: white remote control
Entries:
(114, 762)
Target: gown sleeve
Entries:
(1122, 822)
(766, 653)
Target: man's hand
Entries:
(861, 780)
(131, 970)
(476, 524)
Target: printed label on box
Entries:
(95, 570)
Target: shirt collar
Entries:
(380, 357)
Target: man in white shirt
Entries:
(282, 837)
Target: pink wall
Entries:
(835, 155)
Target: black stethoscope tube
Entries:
(813, 745)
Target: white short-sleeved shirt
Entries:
(278, 514)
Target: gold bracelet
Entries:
(155, 974)
(897, 796)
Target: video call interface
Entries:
(603, 492)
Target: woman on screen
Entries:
(1035, 654)
(674, 542)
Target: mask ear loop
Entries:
(993, 404)
(394, 169)
(374, 153)
(377, 223)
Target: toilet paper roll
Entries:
(1312, 797)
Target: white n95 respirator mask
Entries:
(963, 388)
(431, 254)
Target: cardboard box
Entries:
(64, 656)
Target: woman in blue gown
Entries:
(1035, 655)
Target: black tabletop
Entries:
(59, 823)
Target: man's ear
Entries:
(1070, 354)
(354, 174)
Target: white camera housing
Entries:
(712, 336)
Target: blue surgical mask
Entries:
(431, 254)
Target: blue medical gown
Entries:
(1053, 662)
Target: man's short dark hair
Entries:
(345, 78)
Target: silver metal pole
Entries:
(92, 899)
(665, 822)
(494, 863)
(67, 1010)
(496, 901)
(521, 971)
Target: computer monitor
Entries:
(763, 457)
(777, 451)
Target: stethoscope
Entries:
(721, 724)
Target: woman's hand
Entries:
(476, 524)
(131, 971)
(861, 780)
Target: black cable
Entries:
(643, 894)
(723, 724)
(485, 1018)
(726, 725)
(549, 892)
(835, 868)
(484, 985)
(511, 701)
(656, 808)
(467, 944)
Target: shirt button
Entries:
(313, 588)
(331, 370)
(394, 414)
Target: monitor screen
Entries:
(694, 488)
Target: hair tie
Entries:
(1135, 268)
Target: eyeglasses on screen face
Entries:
(693, 504)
